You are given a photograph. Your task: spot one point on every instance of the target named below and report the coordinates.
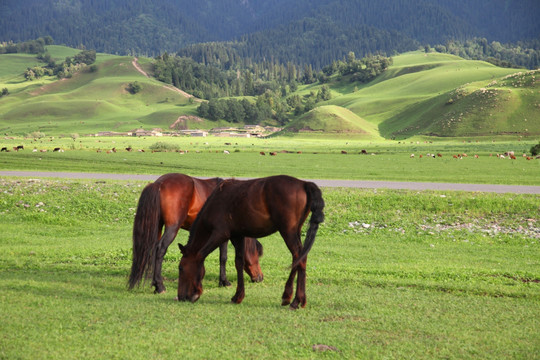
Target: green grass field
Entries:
(392, 274)
(319, 158)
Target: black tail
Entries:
(316, 205)
(145, 233)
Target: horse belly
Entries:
(254, 226)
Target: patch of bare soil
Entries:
(181, 122)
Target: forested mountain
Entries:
(301, 31)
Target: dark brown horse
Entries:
(257, 208)
(173, 201)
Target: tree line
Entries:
(222, 73)
(26, 47)
(65, 69)
(522, 54)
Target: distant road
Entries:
(516, 189)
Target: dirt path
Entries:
(419, 186)
(138, 67)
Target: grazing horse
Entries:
(173, 201)
(256, 208)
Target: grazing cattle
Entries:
(113, 149)
(140, 150)
(43, 150)
(412, 155)
(34, 150)
(512, 157)
(129, 149)
(20, 147)
(363, 152)
(56, 149)
(273, 153)
(476, 156)
(227, 143)
(343, 152)
(262, 153)
(226, 152)
(4, 149)
(455, 156)
(439, 155)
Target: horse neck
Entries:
(198, 245)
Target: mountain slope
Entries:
(150, 27)
(89, 102)
(420, 94)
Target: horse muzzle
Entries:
(194, 298)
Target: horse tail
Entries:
(316, 205)
(145, 233)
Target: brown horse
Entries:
(257, 208)
(173, 201)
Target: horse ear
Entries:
(181, 247)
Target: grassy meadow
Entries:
(309, 158)
(392, 274)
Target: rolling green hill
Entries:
(334, 119)
(419, 95)
(444, 95)
(89, 102)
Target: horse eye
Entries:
(180, 268)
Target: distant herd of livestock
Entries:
(508, 154)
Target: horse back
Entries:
(181, 198)
(259, 207)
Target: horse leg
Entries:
(300, 297)
(222, 265)
(239, 264)
(161, 250)
(295, 246)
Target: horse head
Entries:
(190, 274)
(253, 250)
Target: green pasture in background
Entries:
(307, 157)
(392, 274)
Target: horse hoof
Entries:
(285, 302)
(223, 283)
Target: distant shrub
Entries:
(164, 147)
(134, 87)
(36, 135)
(535, 150)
